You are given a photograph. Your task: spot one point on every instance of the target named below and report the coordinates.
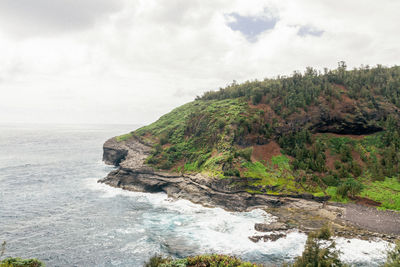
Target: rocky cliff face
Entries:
(134, 175)
(304, 212)
(344, 116)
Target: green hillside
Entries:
(334, 133)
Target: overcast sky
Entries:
(131, 61)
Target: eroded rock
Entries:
(269, 227)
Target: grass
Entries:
(331, 191)
(276, 173)
(211, 127)
(335, 143)
(281, 161)
(216, 138)
(124, 137)
(387, 192)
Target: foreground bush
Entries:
(18, 262)
(199, 261)
(319, 251)
(393, 257)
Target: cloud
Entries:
(251, 26)
(309, 30)
(130, 61)
(22, 18)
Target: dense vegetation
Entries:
(333, 134)
(201, 260)
(287, 95)
(18, 262)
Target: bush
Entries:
(350, 187)
(217, 260)
(166, 165)
(232, 172)
(156, 261)
(256, 98)
(163, 139)
(324, 233)
(18, 262)
(201, 260)
(244, 153)
(393, 257)
(317, 253)
(330, 180)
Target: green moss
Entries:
(387, 192)
(190, 167)
(332, 192)
(281, 161)
(18, 262)
(124, 137)
(256, 170)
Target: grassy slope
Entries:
(212, 146)
(219, 135)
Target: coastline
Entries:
(303, 212)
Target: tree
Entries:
(319, 251)
(393, 257)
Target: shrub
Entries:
(319, 253)
(18, 262)
(330, 180)
(156, 261)
(217, 260)
(200, 260)
(163, 139)
(244, 153)
(393, 257)
(350, 187)
(232, 172)
(256, 98)
(324, 233)
(166, 165)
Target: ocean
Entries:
(53, 209)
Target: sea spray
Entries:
(214, 230)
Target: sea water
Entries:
(52, 208)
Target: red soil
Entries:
(330, 159)
(265, 152)
(351, 136)
(357, 158)
(366, 201)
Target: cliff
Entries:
(305, 212)
(278, 144)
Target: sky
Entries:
(131, 61)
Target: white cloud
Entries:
(132, 61)
(26, 18)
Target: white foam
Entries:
(361, 250)
(214, 230)
(110, 192)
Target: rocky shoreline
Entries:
(304, 212)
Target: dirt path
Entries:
(387, 222)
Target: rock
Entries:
(114, 156)
(265, 238)
(303, 212)
(273, 237)
(255, 238)
(264, 227)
